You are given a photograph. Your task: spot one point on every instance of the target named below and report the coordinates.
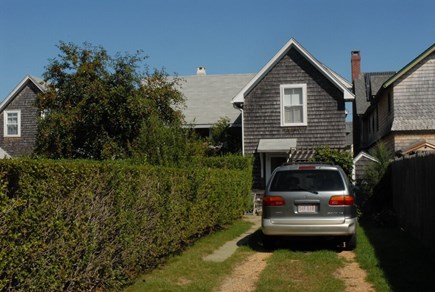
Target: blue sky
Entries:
(225, 36)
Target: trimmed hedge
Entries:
(80, 225)
(229, 161)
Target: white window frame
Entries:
(304, 104)
(5, 123)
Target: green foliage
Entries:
(338, 157)
(165, 144)
(376, 170)
(97, 105)
(375, 188)
(86, 225)
(225, 139)
(229, 161)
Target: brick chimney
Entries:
(356, 64)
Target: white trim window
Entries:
(12, 123)
(293, 104)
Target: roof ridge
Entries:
(379, 73)
(225, 74)
(293, 44)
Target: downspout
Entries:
(239, 106)
(243, 131)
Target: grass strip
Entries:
(189, 272)
(301, 268)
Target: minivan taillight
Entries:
(341, 201)
(273, 201)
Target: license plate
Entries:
(307, 209)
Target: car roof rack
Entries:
(308, 162)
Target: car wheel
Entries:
(350, 242)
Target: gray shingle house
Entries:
(396, 108)
(18, 118)
(291, 106)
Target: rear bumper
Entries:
(348, 227)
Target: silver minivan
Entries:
(309, 200)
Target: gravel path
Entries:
(353, 275)
(245, 276)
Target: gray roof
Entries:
(375, 81)
(208, 97)
(366, 86)
(361, 102)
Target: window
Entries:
(293, 105)
(12, 123)
(297, 180)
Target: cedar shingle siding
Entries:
(24, 101)
(325, 104)
(360, 168)
(402, 112)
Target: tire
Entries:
(350, 242)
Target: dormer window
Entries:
(12, 123)
(293, 104)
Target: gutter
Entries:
(243, 131)
(239, 106)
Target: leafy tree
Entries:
(96, 105)
(335, 156)
(224, 138)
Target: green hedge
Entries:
(229, 161)
(74, 225)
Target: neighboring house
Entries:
(208, 99)
(396, 108)
(18, 118)
(292, 105)
(360, 163)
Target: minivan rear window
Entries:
(313, 180)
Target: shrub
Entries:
(85, 225)
(224, 138)
(375, 170)
(229, 161)
(338, 157)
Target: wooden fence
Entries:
(413, 194)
